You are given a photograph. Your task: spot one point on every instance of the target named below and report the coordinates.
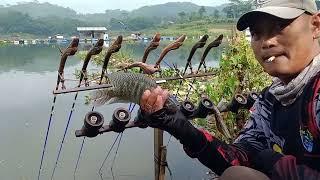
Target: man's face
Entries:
(289, 41)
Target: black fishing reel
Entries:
(238, 101)
(120, 119)
(187, 108)
(205, 107)
(251, 99)
(93, 121)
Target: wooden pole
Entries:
(158, 143)
(163, 162)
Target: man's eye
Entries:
(254, 35)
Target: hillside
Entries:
(168, 9)
(36, 10)
(45, 19)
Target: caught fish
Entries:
(127, 87)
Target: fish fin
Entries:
(116, 100)
(100, 97)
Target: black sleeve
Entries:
(218, 155)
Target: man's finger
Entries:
(165, 95)
(158, 104)
(152, 99)
(144, 99)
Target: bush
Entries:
(239, 72)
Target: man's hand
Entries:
(152, 101)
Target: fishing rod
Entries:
(155, 42)
(93, 124)
(199, 44)
(172, 46)
(69, 51)
(151, 69)
(96, 49)
(115, 47)
(157, 37)
(153, 45)
(206, 103)
(90, 129)
(144, 67)
(214, 43)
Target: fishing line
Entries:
(64, 135)
(75, 169)
(109, 151)
(131, 108)
(47, 134)
(114, 158)
(193, 81)
(64, 56)
(82, 144)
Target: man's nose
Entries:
(269, 42)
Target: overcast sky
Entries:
(93, 6)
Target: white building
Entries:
(93, 33)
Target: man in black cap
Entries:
(281, 139)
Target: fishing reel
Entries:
(120, 119)
(251, 99)
(93, 123)
(239, 101)
(204, 108)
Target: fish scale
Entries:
(127, 87)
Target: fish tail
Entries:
(101, 97)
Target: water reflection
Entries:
(46, 58)
(31, 58)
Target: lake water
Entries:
(28, 76)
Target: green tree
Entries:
(182, 15)
(237, 7)
(216, 13)
(202, 11)
(318, 4)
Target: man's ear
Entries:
(315, 22)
